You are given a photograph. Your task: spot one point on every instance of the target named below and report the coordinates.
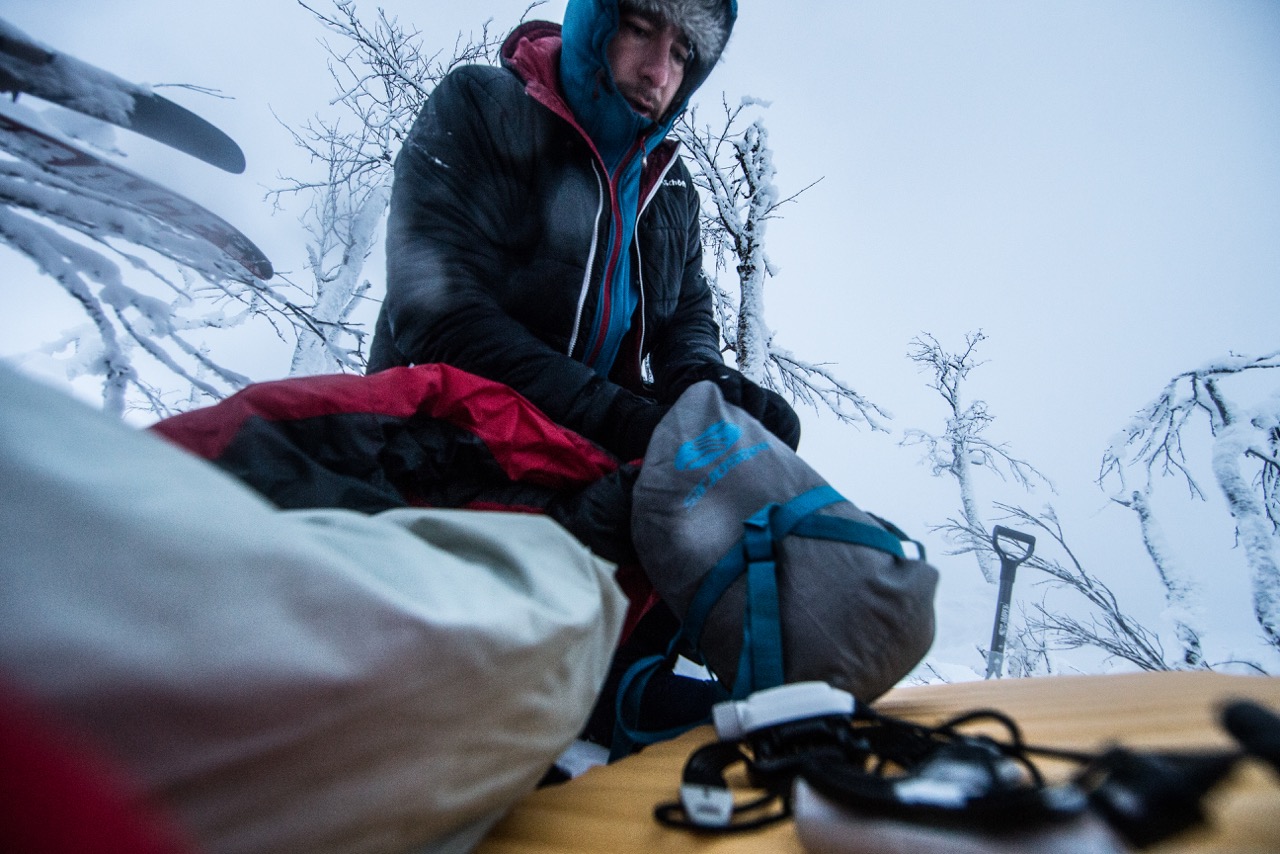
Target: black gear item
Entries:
(674, 699)
(1257, 729)
(628, 425)
(599, 516)
(765, 405)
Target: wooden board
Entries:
(609, 809)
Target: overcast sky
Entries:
(1096, 185)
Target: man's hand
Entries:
(630, 424)
(766, 406)
(600, 515)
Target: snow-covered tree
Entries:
(343, 225)
(1245, 465)
(382, 75)
(962, 448)
(152, 288)
(1182, 590)
(733, 167)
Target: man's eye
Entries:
(635, 29)
(682, 56)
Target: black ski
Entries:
(26, 66)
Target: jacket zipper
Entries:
(591, 260)
(644, 206)
(606, 281)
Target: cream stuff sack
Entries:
(289, 681)
(775, 576)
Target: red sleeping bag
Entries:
(425, 436)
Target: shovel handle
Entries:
(1000, 532)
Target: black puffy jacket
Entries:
(499, 215)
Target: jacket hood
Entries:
(705, 23)
(587, 81)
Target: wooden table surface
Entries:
(609, 809)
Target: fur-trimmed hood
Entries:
(705, 23)
(585, 75)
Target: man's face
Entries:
(648, 57)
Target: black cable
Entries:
(1145, 796)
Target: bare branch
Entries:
(1110, 628)
(815, 384)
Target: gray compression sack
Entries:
(851, 615)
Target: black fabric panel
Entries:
(371, 463)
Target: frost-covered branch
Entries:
(1109, 627)
(1269, 479)
(733, 168)
(1182, 593)
(72, 231)
(1153, 437)
(962, 448)
(64, 260)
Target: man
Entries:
(544, 234)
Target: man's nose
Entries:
(658, 63)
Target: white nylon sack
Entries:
(289, 681)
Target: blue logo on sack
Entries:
(707, 448)
(717, 474)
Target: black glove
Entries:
(629, 424)
(765, 405)
(600, 515)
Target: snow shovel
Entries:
(1014, 547)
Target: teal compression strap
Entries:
(848, 531)
(778, 519)
(762, 621)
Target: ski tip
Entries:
(228, 162)
(29, 67)
(249, 256)
(176, 126)
(235, 165)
